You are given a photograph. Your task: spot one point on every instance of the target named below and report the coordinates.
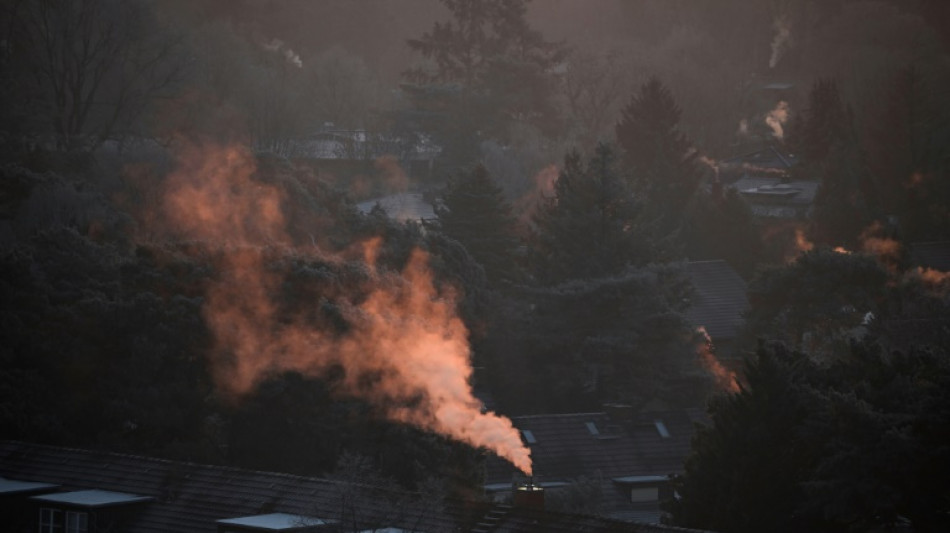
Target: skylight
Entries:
(661, 429)
(592, 428)
(528, 436)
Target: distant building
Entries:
(346, 151)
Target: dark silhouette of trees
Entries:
(824, 135)
(805, 447)
(90, 69)
(722, 226)
(658, 156)
(815, 302)
(487, 71)
(593, 226)
(474, 212)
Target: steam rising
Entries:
(277, 46)
(405, 350)
(780, 41)
(725, 378)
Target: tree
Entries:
(94, 66)
(593, 88)
(824, 123)
(578, 344)
(905, 147)
(815, 302)
(849, 446)
(487, 71)
(657, 154)
(593, 226)
(474, 212)
(723, 227)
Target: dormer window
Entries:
(58, 521)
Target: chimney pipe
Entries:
(529, 496)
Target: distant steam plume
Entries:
(543, 187)
(278, 46)
(725, 378)
(780, 42)
(777, 118)
(405, 350)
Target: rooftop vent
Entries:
(528, 436)
(92, 499)
(288, 523)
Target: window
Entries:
(77, 522)
(51, 520)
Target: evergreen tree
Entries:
(858, 445)
(592, 226)
(487, 70)
(723, 227)
(658, 155)
(821, 125)
(846, 201)
(474, 212)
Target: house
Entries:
(772, 197)
(625, 458)
(718, 302)
(768, 161)
(56, 489)
(344, 152)
(402, 207)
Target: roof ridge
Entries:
(560, 415)
(174, 462)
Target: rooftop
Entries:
(92, 498)
(198, 498)
(274, 522)
(719, 298)
(13, 486)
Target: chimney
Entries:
(619, 413)
(529, 496)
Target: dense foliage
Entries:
(853, 446)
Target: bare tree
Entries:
(94, 66)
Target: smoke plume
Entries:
(405, 350)
(277, 46)
(725, 379)
(780, 41)
(777, 118)
(543, 187)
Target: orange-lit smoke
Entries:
(543, 187)
(406, 351)
(934, 278)
(725, 379)
(777, 118)
(394, 177)
(873, 242)
(802, 244)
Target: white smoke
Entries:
(780, 42)
(278, 46)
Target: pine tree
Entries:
(593, 226)
(846, 201)
(658, 155)
(474, 212)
